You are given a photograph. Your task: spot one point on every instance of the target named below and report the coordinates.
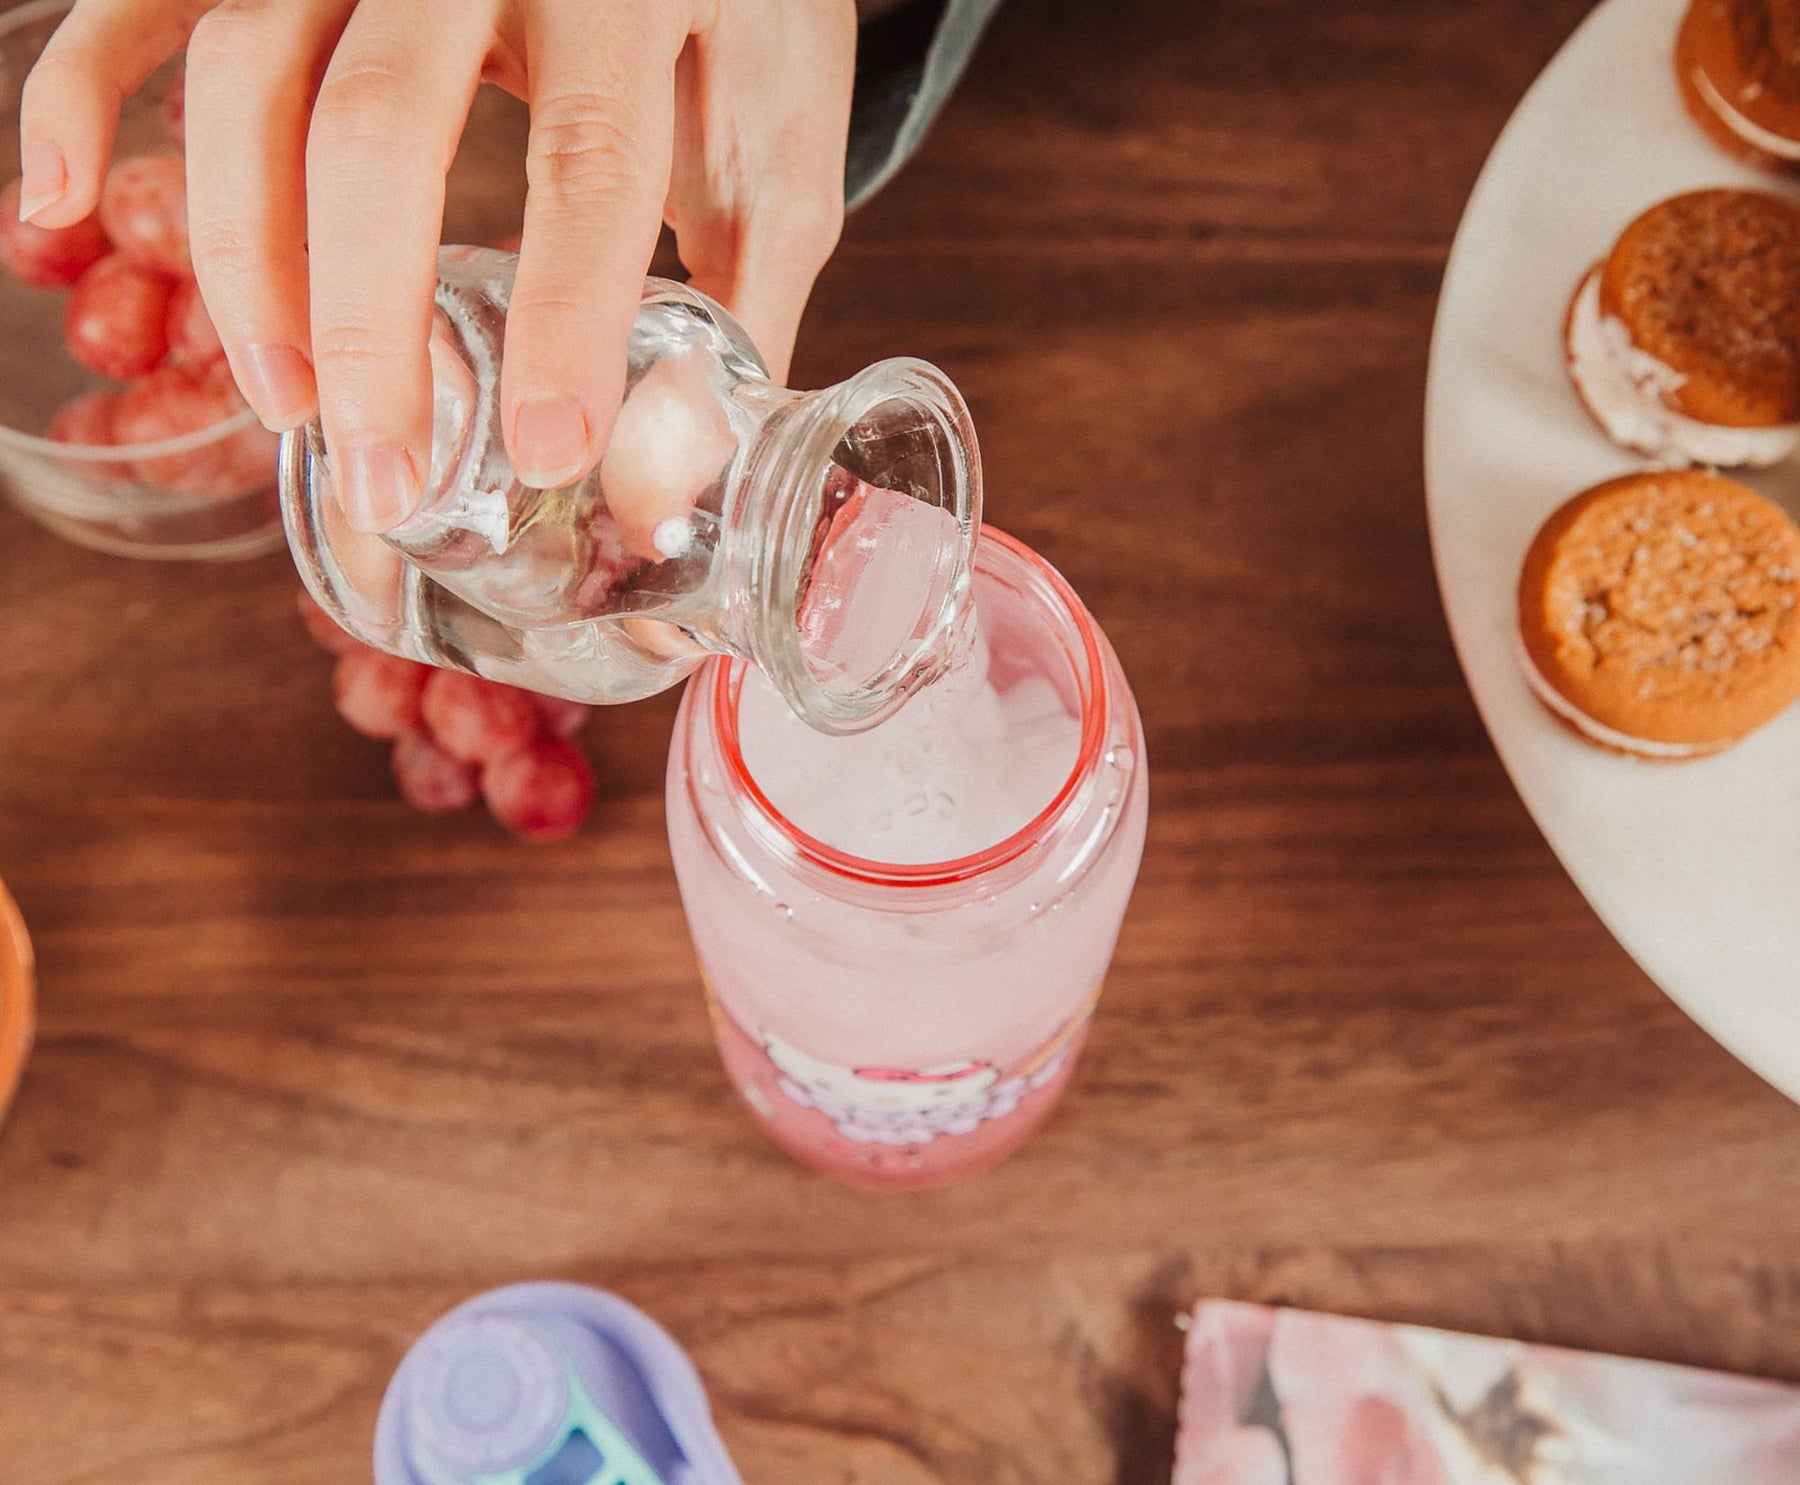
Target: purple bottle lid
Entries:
(547, 1384)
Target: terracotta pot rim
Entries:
(18, 997)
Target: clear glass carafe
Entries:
(826, 537)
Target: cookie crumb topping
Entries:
(1672, 582)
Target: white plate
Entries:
(1695, 867)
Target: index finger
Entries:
(384, 130)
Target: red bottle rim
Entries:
(727, 685)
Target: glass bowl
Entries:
(111, 497)
(17, 997)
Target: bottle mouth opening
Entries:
(871, 576)
(1035, 586)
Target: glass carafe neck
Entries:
(849, 537)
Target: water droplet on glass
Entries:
(917, 803)
(1121, 759)
(785, 911)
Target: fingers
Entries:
(384, 129)
(763, 116)
(762, 267)
(69, 110)
(251, 69)
(598, 172)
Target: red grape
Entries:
(429, 778)
(176, 400)
(326, 632)
(564, 718)
(247, 458)
(50, 257)
(478, 720)
(143, 207)
(378, 694)
(193, 340)
(116, 322)
(610, 564)
(87, 420)
(542, 792)
(90, 420)
(174, 110)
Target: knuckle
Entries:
(224, 247)
(798, 223)
(579, 149)
(362, 99)
(553, 304)
(357, 346)
(62, 73)
(228, 36)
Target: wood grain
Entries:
(312, 1068)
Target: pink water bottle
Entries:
(903, 934)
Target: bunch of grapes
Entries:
(135, 316)
(457, 737)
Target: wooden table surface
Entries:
(312, 1068)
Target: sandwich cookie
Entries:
(1684, 341)
(1737, 63)
(1659, 613)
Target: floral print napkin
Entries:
(1289, 1397)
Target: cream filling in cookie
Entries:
(1626, 390)
(1609, 736)
(1753, 134)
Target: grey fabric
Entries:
(908, 64)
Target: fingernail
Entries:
(550, 440)
(278, 381)
(43, 177)
(377, 486)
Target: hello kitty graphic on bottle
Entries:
(899, 1106)
(898, 1126)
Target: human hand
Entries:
(319, 133)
